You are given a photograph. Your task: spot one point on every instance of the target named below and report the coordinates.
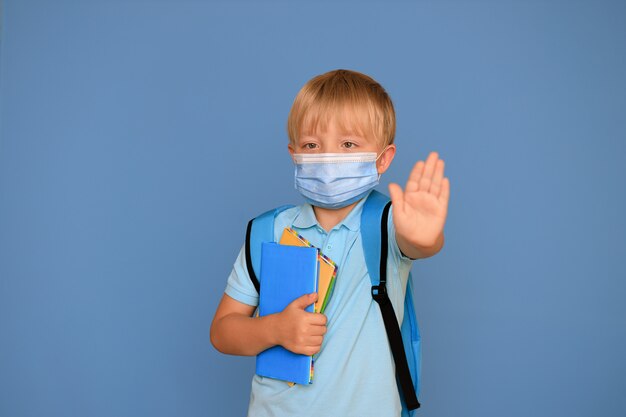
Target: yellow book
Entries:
(327, 268)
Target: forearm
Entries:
(416, 251)
(238, 334)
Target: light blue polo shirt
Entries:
(354, 370)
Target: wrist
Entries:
(272, 328)
(417, 250)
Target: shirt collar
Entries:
(306, 217)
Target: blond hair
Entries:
(354, 100)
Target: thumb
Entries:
(304, 301)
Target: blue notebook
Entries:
(287, 272)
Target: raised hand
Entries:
(419, 212)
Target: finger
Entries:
(444, 196)
(317, 329)
(313, 341)
(318, 319)
(310, 350)
(397, 196)
(427, 175)
(412, 184)
(429, 167)
(304, 301)
(435, 186)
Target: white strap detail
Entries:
(333, 158)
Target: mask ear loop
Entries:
(376, 160)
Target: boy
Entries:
(341, 129)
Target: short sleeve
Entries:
(239, 285)
(398, 268)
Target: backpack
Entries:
(404, 340)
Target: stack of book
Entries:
(290, 269)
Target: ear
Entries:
(291, 150)
(385, 158)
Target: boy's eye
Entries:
(349, 144)
(310, 145)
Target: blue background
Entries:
(137, 139)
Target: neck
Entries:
(329, 218)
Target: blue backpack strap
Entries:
(375, 239)
(371, 233)
(260, 229)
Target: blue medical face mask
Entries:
(335, 180)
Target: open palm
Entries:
(419, 212)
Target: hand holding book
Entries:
(300, 331)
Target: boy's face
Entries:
(333, 140)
